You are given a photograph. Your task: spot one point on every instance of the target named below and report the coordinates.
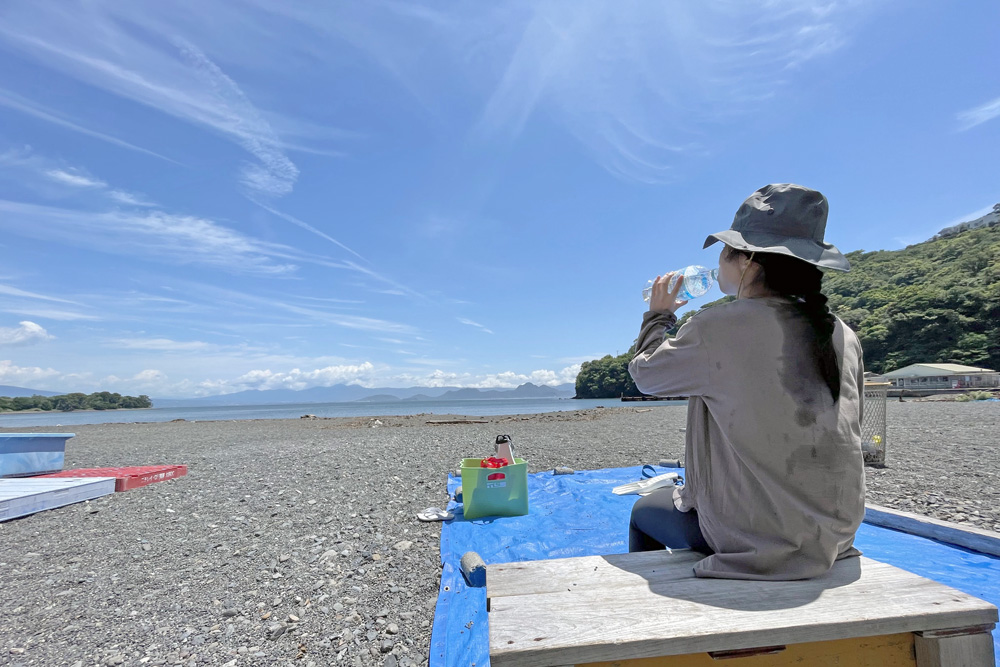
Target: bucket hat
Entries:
(785, 219)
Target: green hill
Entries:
(937, 301)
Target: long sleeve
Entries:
(669, 366)
(861, 389)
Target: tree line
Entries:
(933, 302)
(101, 400)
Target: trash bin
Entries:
(873, 427)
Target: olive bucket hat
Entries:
(785, 219)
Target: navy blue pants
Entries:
(656, 524)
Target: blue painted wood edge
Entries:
(975, 539)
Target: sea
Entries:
(468, 408)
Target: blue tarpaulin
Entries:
(577, 515)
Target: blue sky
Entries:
(204, 197)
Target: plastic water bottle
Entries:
(697, 281)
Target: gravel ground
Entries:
(294, 541)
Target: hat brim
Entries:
(824, 255)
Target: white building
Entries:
(943, 376)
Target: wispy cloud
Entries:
(179, 80)
(75, 179)
(14, 291)
(161, 345)
(305, 225)
(276, 174)
(26, 333)
(395, 288)
(327, 299)
(14, 101)
(627, 78)
(29, 163)
(301, 315)
(129, 198)
(21, 302)
(179, 239)
(978, 115)
(473, 324)
(49, 313)
(640, 84)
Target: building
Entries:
(943, 376)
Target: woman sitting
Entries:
(775, 477)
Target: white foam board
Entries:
(24, 496)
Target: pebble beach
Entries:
(295, 542)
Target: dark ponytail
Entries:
(801, 281)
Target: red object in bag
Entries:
(493, 462)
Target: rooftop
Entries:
(936, 369)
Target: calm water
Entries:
(473, 408)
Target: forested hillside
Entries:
(937, 301)
(101, 400)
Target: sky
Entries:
(199, 198)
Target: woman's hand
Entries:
(664, 300)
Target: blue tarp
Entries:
(577, 515)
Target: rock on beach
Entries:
(295, 542)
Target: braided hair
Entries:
(791, 277)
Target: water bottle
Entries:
(697, 281)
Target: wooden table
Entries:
(646, 609)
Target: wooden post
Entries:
(962, 647)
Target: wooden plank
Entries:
(882, 651)
(974, 650)
(612, 571)
(857, 598)
(24, 496)
(976, 539)
(438, 422)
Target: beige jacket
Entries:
(774, 466)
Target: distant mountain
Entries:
(338, 393)
(343, 393)
(419, 397)
(14, 392)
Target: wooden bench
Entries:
(648, 609)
